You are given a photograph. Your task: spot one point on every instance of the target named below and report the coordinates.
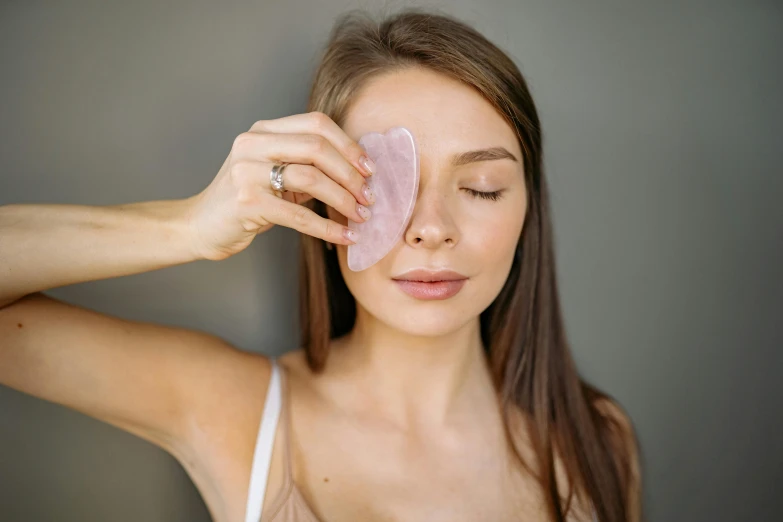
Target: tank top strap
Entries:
(286, 414)
(262, 455)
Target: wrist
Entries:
(172, 224)
(182, 219)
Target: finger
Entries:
(307, 179)
(305, 149)
(297, 197)
(306, 221)
(319, 123)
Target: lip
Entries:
(430, 284)
(430, 290)
(423, 274)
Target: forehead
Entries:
(444, 115)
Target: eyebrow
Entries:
(492, 153)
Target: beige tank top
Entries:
(289, 505)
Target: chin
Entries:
(431, 323)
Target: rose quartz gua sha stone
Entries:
(395, 185)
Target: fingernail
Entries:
(350, 235)
(368, 193)
(368, 165)
(363, 211)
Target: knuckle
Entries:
(242, 140)
(319, 120)
(301, 216)
(259, 125)
(330, 230)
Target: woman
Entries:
(397, 407)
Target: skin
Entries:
(403, 424)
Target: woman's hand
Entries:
(240, 203)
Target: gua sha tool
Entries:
(395, 185)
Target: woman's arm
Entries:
(165, 384)
(45, 246)
(173, 386)
(162, 383)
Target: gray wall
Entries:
(661, 123)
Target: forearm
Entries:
(45, 246)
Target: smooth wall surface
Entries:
(662, 124)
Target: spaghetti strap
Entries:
(286, 406)
(262, 456)
(287, 486)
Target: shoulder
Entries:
(226, 389)
(616, 418)
(295, 362)
(619, 428)
(621, 437)
(229, 389)
(220, 391)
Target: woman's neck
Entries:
(415, 382)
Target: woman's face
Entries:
(451, 227)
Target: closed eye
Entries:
(494, 196)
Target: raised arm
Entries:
(137, 376)
(161, 382)
(51, 245)
(155, 381)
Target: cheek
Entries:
(495, 250)
(495, 234)
(367, 285)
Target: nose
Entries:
(432, 223)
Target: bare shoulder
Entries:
(226, 387)
(622, 433)
(624, 442)
(295, 364)
(228, 392)
(615, 414)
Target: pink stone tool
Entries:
(395, 185)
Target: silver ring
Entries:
(276, 178)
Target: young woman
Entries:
(401, 404)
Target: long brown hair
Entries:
(522, 330)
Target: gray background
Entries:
(661, 124)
